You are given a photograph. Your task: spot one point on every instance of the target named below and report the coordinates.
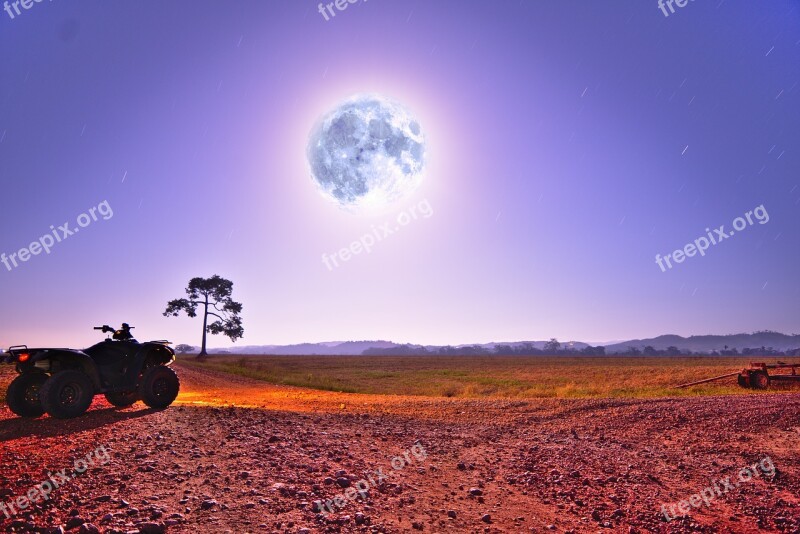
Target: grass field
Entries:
(489, 376)
(481, 376)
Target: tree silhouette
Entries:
(504, 349)
(183, 348)
(552, 346)
(214, 295)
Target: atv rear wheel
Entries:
(23, 395)
(67, 394)
(159, 387)
(122, 399)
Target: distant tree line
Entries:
(522, 349)
(675, 351)
(554, 347)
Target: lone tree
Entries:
(214, 295)
(552, 346)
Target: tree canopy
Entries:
(214, 295)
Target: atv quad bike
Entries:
(63, 382)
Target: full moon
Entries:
(367, 153)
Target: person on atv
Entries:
(124, 334)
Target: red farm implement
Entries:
(759, 375)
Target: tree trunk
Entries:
(203, 352)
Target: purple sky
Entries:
(569, 142)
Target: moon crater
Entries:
(368, 152)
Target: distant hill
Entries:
(577, 345)
(353, 348)
(775, 340)
(331, 348)
(772, 343)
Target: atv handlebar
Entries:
(105, 328)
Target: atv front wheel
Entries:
(122, 399)
(159, 387)
(23, 395)
(67, 394)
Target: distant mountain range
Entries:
(766, 339)
(331, 348)
(770, 341)
(355, 348)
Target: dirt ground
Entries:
(236, 455)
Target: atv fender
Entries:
(69, 359)
(148, 356)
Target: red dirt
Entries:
(532, 466)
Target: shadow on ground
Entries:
(45, 427)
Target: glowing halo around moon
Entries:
(367, 153)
